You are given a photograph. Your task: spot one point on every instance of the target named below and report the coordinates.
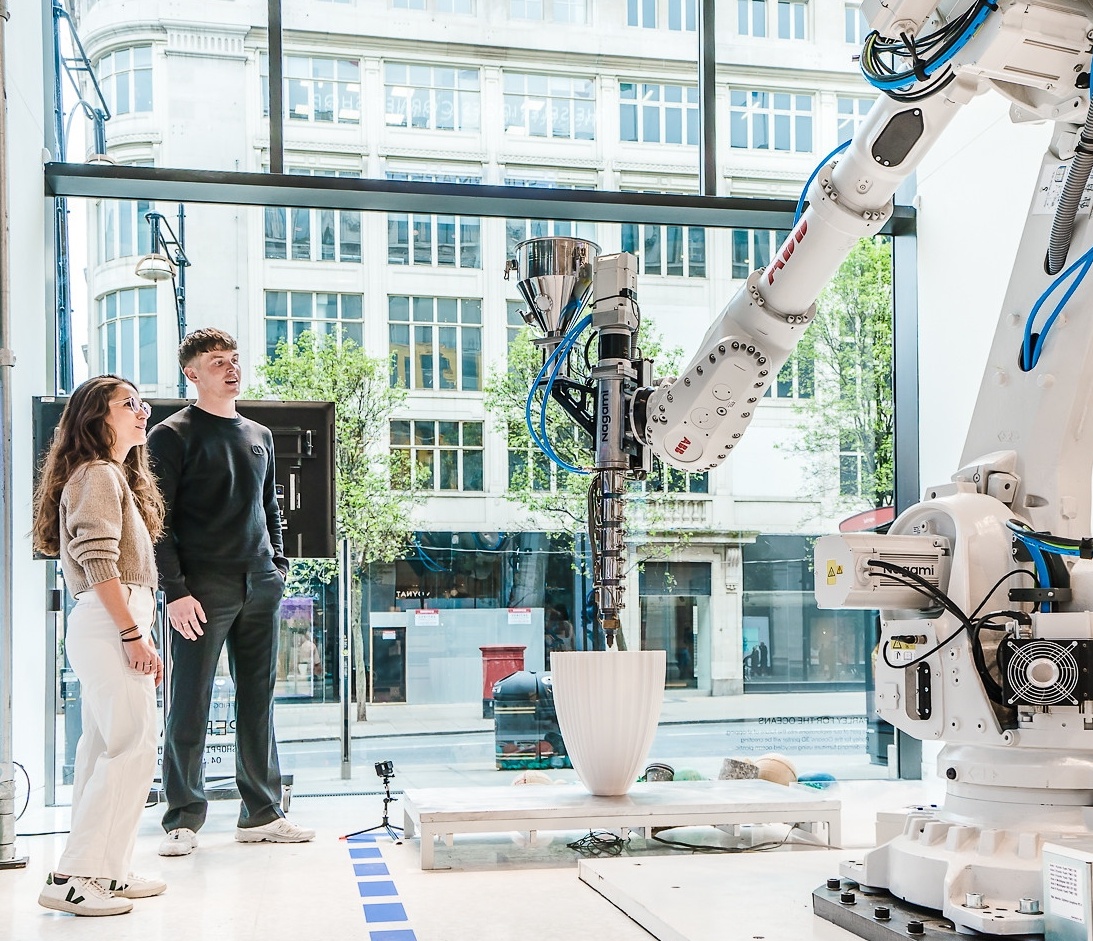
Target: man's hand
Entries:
(187, 616)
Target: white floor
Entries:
(497, 886)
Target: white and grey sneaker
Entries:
(279, 831)
(81, 895)
(179, 842)
(135, 887)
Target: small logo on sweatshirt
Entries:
(258, 449)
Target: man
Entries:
(222, 569)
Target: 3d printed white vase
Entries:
(608, 705)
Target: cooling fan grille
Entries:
(1042, 673)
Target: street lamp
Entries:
(168, 260)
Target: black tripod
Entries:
(395, 833)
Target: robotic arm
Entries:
(1008, 690)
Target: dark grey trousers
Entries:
(242, 611)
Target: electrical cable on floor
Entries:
(599, 843)
(708, 848)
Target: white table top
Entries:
(531, 800)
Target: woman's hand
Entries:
(143, 658)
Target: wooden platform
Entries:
(444, 812)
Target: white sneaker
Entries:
(135, 887)
(81, 895)
(179, 842)
(279, 831)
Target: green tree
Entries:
(375, 518)
(846, 426)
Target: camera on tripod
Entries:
(385, 770)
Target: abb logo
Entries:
(682, 446)
(788, 246)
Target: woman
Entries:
(98, 507)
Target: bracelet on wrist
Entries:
(129, 630)
(131, 640)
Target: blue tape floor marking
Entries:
(386, 919)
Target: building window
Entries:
(125, 77)
(441, 6)
(569, 11)
(673, 250)
(762, 120)
(683, 15)
(314, 234)
(753, 248)
(855, 26)
(658, 113)
(435, 342)
(444, 241)
(751, 17)
(850, 467)
(516, 230)
(796, 379)
(432, 97)
(291, 313)
(852, 112)
(435, 177)
(663, 479)
(792, 19)
(641, 13)
(514, 321)
(326, 91)
(437, 455)
(127, 328)
(123, 231)
(531, 469)
(525, 9)
(550, 106)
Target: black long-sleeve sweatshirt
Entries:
(217, 479)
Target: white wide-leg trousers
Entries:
(116, 754)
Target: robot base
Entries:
(877, 916)
(979, 872)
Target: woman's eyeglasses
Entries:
(136, 406)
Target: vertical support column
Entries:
(707, 99)
(180, 289)
(8, 858)
(906, 445)
(345, 644)
(276, 89)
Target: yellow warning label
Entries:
(900, 645)
(833, 571)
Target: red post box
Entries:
(498, 661)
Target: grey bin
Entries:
(526, 732)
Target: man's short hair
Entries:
(203, 341)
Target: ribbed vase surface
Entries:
(608, 704)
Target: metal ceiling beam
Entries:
(92, 181)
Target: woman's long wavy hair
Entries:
(83, 436)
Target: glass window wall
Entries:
(354, 108)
